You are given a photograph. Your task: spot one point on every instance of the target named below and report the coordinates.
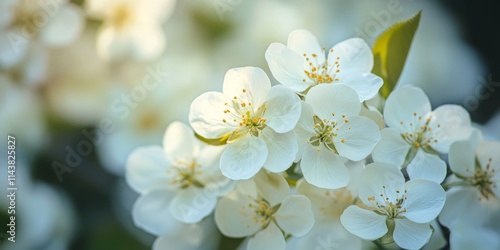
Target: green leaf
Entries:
(214, 142)
(390, 51)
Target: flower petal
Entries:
(206, 114)
(402, 105)
(151, 212)
(269, 238)
(354, 56)
(192, 204)
(272, 187)
(282, 109)
(146, 169)
(424, 200)
(363, 223)
(391, 148)
(356, 137)
(324, 169)
(380, 178)
(449, 123)
(427, 166)
(148, 42)
(304, 42)
(337, 99)
(460, 202)
(411, 235)
(179, 142)
(243, 158)
(465, 237)
(247, 84)
(234, 217)
(462, 158)
(295, 215)
(304, 129)
(282, 150)
(366, 85)
(64, 26)
(287, 67)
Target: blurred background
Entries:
(83, 83)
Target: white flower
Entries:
(29, 28)
(397, 211)
(179, 181)
(329, 131)
(131, 28)
(416, 134)
(264, 209)
(464, 236)
(256, 119)
(476, 166)
(303, 64)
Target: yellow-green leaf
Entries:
(390, 51)
(214, 142)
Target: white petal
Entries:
(402, 104)
(111, 44)
(391, 148)
(363, 223)
(411, 235)
(243, 158)
(282, 109)
(192, 204)
(269, 238)
(190, 237)
(356, 137)
(248, 84)
(207, 113)
(146, 169)
(272, 187)
(151, 212)
(462, 158)
(449, 123)
(437, 240)
(304, 129)
(304, 42)
(148, 42)
(465, 237)
(234, 217)
(64, 27)
(295, 215)
(424, 200)
(179, 142)
(337, 99)
(366, 85)
(282, 150)
(380, 178)
(460, 202)
(287, 67)
(324, 168)
(427, 166)
(355, 56)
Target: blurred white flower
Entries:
(180, 181)
(331, 130)
(256, 119)
(464, 236)
(397, 211)
(416, 134)
(303, 64)
(264, 209)
(130, 28)
(30, 28)
(475, 186)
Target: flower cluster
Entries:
(299, 163)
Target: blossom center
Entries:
(185, 174)
(421, 136)
(321, 72)
(390, 207)
(242, 115)
(263, 211)
(326, 131)
(121, 16)
(483, 179)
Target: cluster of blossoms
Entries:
(302, 164)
